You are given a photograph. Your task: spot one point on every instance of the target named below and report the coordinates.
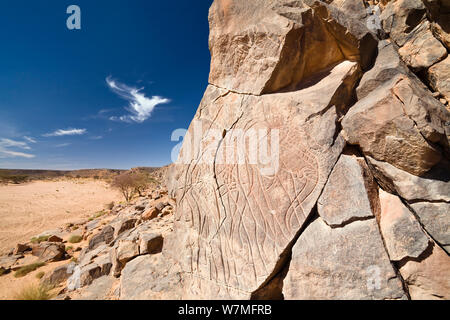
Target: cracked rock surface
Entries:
(350, 99)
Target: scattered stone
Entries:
(123, 225)
(54, 239)
(105, 236)
(21, 248)
(150, 214)
(59, 274)
(150, 243)
(49, 251)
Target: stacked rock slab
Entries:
(316, 164)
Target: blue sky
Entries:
(106, 96)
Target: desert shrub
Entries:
(75, 238)
(130, 183)
(3, 271)
(69, 248)
(17, 179)
(73, 259)
(23, 271)
(40, 275)
(96, 177)
(39, 239)
(35, 292)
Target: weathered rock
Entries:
(160, 206)
(400, 17)
(124, 251)
(396, 123)
(54, 239)
(150, 243)
(123, 225)
(105, 236)
(422, 49)
(387, 65)
(341, 263)
(435, 218)
(89, 273)
(59, 274)
(439, 77)
(6, 262)
(345, 197)
(401, 232)
(282, 42)
(49, 251)
(162, 279)
(87, 256)
(84, 275)
(99, 289)
(150, 214)
(21, 248)
(428, 277)
(432, 187)
(237, 216)
(441, 29)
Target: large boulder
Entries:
(162, 279)
(283, 42)
(396, 119)
(49, 251)
(341, 263)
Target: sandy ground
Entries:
(30, 209)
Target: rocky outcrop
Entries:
(348, 199)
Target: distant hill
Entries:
(22, 175)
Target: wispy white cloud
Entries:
(62, 145)
(5, 153)
(140, 107)
(66, 132)
(12, 143)
(96, 138)
(30, 139)
(7, 144)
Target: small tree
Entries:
(125, 184)
(141, 182)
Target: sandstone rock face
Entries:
(341, 263)
(283, 42)
(267, 203)
(345, 197)
(432, 187)
(402, 233)
(439, 77)
(434, 218)
(396, 119)
(58, 275)
(412, 51)
(150, 277)
(429, 277)
(354, 146)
